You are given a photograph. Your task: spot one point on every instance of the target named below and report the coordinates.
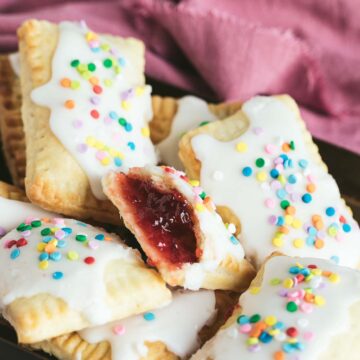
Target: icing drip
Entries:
(12, 212)
(176, 325)
(99, 107)
(191, 112)
(271, 329)
(53, 256)
(15, 63)
(282, 196)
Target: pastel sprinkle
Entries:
(57, 275)
(149, 316)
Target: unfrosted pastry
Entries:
(296, 308)
(60, 275)
(85, 111)
(169, 333)
(265, 175)
(177, 226)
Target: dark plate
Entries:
(343, 165)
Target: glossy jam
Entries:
(166, 219)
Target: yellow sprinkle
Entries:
(292, 340)
(81, 68)
(139, 90)
(241, 147)
(41, 246)
(199, 207)
(270, 320)
(125, 105)
(99, 145)
(108, 82)
(298, 243)
(194, 182)
(332, 231)
(120, 155)
(72, 255)
(274, 332)
(261, 176)
(86, 75)
(254, 290)
(75, 84)
(43, 265)
(277, 241)
(282, 179)
(145, 131)
(90, 36)
(105, 47)
(296, 224)
(90, 140)
(105, 161)
(288, 219)
(53, 242)
(316, 272)
(319, 300)
(117, 69)
(288, 283)
(113, 152)
(252, 341)
(300, 266)
(334, 278)
(309, 277)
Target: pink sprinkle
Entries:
(93, 244)
(258, 130)
(119, 329)
(275, 185)
(270, 148)
(306, 308)
(279, 168)
(308, 335)
(289, 188)
(100, 155)
(60, 234)
(59, 221)
(5, 245)
(295, 197)
(339, 237)
(245, 328)
(278, 160)
(301, 293)
(77, 124)
(311, 178)
(81, 148)
(26, 233)
(30, 219)
(270, 203)
(107, 120)
(197, 190)
(272, 219)
(94, 43)
(293, 294)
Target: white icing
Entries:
(14, 60)
(82, 286)
(191, 112)
(272, 122)
(323, 321)
(13, 212)
(219, 242)
(176, 325)
(91, 140)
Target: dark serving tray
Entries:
(343, 165)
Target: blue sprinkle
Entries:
(149, 316)
(305, 271)
(292, 179)
(284, 157)
(311, 230)
(265, 337)
(128, 127)
(61, 244)
(80, 223)
(56, 256)
(46, 239)
(43, 256)
(14, 254)
(335, 225)
(280, 221)
(346, 227)
(121, 61)
(310, 240)
(100, 237)
(131, 145)
(281, 194)
(299, 346)
(288, 348)
(67, 230)
(113, 115)
(95, 50)
(274, 173)
(243, 319)
(290, 163)
(279, 325)
(306, 198)
(330, 211)
(247, 171)
(294, 270)
(117, 161)
(303, 163)
(57, 275)
(234, 240)
(335, 259)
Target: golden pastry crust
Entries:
(70, 346)
(131, 288)
(54, 180)
(11, 192)
(12, 134)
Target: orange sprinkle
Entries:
(290, 210)
(319, 224)
(326, 273)
(284, 230)
(279, 355)
(65, 82)
(94, 80)
(50, 248)
(108, 238)
(316, 218)
(69, 104)
(309, 297)
(311, 188)
(286, 147)
(198, 253)
(319, 243)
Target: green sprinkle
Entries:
(255, 318)
(203, 123)
(260, 162)
(291, 306)
(75, 63)
(21, 227)
(122, 121)
(108, 63)
(275, 281)
(81, 237)
(91, 67)
(203, 195)
(284, 204)
(75, 84)
(45, 232)
(36, 223)
(292, 145)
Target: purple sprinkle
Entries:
(127, 94)
(283, 293)
(321, 234)
(322, 285)
(26, 233)
(77, 124)
(295, 197)
(275, 185)
(95, 100)
(82, 148)
(278, 160)
(258, 130)
(254, 348)
(289, 188)
(2, 231)
(272, 219)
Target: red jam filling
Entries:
(165, 218)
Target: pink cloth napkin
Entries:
(234, 49)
